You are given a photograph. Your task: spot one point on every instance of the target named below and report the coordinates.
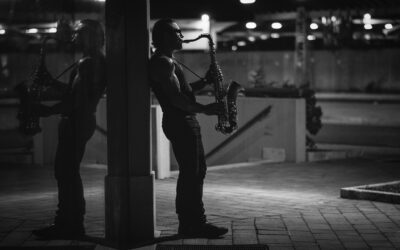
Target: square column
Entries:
(129, 189)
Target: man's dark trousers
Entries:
(73, 135)
(185, 137)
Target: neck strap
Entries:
(186, 67)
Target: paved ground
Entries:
(285, 206)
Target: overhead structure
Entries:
(336, 23)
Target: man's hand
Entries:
(214, 109)
(208, 79)
(43, 77)
(42, 110)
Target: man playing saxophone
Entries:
(77, 125)
(181, 127)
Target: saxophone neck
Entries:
(204, 35)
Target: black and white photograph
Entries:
(200, 124)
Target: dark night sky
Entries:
(221, 10)
(233, 10)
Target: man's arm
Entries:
(59, 86)
(198, 85)
(55, 90)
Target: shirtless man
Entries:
(77, 125)
(181, 127)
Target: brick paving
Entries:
(285, 206)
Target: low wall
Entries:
(14, 145)
(282, 129)
(267, 127)
(359, 120)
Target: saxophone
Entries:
(227, 122)
(30, 95)
(30, 92)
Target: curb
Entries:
(360, 193)
(334, 154)
(232, 165)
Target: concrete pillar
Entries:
(129, 184)
(301, 69)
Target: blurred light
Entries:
(264, 37)
(388, 26)
(51, 30)
(274, 35)
(313, 26)
(251, 25)
(252, 39)
(241, 43)
(333, 19)
(276, 26)
(323, 19)
(367, 16)
(247, 1)
(311, 37)
(100, 1)
(205, 23)
(205, 18)
(367, 37)
(367, 21)
(234, 48)
(2, 31)
(368, 26)
(32, 31)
